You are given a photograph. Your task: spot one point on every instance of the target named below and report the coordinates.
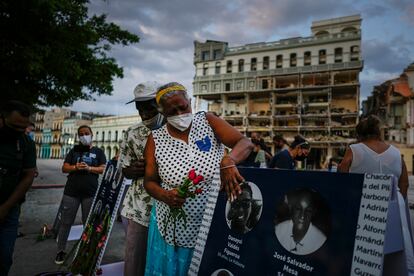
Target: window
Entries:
(228, 86)
(217, 54)
(229, 66)
(322, 56)
(205, 69)
(354, 53)
(265, 63)
(218, 66)
(239, 85)
(279, 61)
(307, 58)
(205, 55)
(251, 85)
(97, 136)
(253, 64)
(109, 135)
(116, 135)
(265, 84)
(204, 87)
(338, 55)
(241, 65)
(217, 87)
(103, 136)
(293, 60)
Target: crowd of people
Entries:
(156, 154)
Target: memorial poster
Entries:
(289, 223)
(91, 246)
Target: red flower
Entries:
(192, 175)
(99, 228)
(100, 244)
(198, 191)
(198, 179)
(84, 237)
(103, 238)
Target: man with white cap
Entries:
(137, 203)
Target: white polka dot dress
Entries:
(175, 159)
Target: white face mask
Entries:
(155, 122)
(181, 122)
(86, 140)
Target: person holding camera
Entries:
(83, 163)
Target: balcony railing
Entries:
(283, 71)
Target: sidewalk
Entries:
(31, 257)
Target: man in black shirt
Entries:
(83, 163)
(17, 170)
(298, 151)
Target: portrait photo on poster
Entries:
(98, 207)
(243, 213)
(108, 174)
(302, 221)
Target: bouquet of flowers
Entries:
(186, 190)
(90, 244)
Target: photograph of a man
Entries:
(243, 213)
(297, 234)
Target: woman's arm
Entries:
(346, 162)
(152, 179)
(68, 168)
(241, 148)
(97, 170)
(403, 181)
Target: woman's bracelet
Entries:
(228, 156)
(226, 167)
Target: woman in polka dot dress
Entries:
(186, 142)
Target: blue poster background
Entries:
(342, 195)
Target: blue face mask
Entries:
(155, 122)
(31, 135)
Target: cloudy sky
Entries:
(167, 29)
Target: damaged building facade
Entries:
(302, 85)
(393, 102)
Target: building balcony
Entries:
(285, 105)
(314, 127)
(350, 126)
(286, 117)
(258, 128)
(282, 71)
(286, 128)
(240, 128)
(318, 104)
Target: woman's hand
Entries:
(230, 178)
(172, 199)
(82, 166)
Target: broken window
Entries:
(293, 60)
(322, 56)
(241, 65)
(265, 63)
(279, 61)
(205, 69)
(307, 58)
(218, 66)
(229, 66)
(338, 55)
(253, 64)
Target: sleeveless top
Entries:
(365, 160)
(175, 159)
